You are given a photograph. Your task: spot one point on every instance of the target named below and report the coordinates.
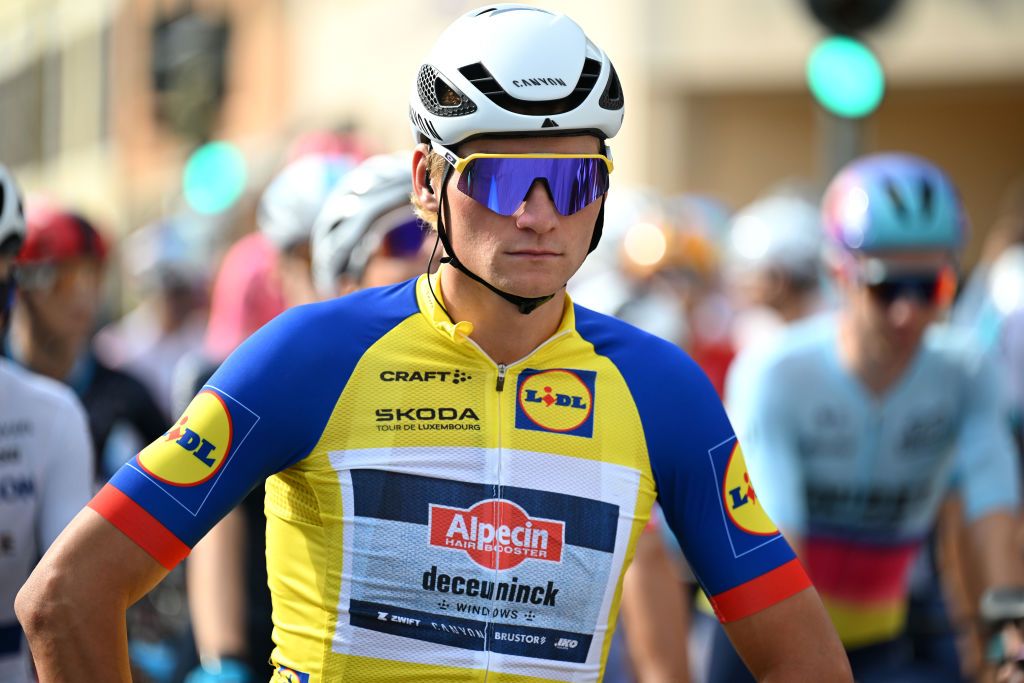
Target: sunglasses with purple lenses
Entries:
(404, 240)
(501, 181)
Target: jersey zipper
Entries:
(502, 369)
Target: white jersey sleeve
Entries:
(67, 481)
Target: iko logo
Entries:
(533, 82)
(566, 644)
(453, 376)
(496, 533)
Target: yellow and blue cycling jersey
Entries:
(433, 516)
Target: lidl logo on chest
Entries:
(559, 400)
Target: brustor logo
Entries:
(195, 448)
(452, 376)
(496, 533)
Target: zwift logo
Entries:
(496, 533)
(558, 400)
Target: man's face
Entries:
(536, 250)
(895, 297)
(65, 298)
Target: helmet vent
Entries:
(927, 197)
(611, 98)
(439, 97)
(895, 198)
(482, 79)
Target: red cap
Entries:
(56, 235)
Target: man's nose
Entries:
(538, 211)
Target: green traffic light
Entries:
(845, 77)
(214, 177)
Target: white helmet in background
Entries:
(371, 202)
(295, 196)
(12, 214)
(780, 232)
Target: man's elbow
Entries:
(44, 602)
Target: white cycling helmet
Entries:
(510, 68)
(372, 200)
(12, 214)
(295, 196)
(777, 232)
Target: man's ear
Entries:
(425, 194)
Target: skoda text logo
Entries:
(195, 448)
(453, 376)
(556, 400)
(496, 534)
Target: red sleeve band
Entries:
(760, 593)
(140, 526)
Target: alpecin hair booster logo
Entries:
(496, 533)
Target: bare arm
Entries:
(791, 641)
(72, 606)
(994, 541)
(216, 599)
(654, 614)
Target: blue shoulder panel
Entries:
(262, 411)
(692, 450)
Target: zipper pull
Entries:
(501, 376)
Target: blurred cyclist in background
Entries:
(45, 455)
(165, 270)
(774, 265)
(260, 276)
(367, 234)
(858, 423)
(60, 276)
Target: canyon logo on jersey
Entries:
(496, 534)
(559, 400)
(746, 522)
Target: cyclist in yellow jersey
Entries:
(459, 466)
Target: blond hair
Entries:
(435, 167)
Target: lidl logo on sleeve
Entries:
(558, 400)
(746, 522)
(196, 447)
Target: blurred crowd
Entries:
(721, 282)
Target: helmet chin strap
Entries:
(525, 305)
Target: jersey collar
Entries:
(460, 331)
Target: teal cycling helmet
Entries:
(893, 202)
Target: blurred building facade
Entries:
(716, 96)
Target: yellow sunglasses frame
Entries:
(460, 163)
